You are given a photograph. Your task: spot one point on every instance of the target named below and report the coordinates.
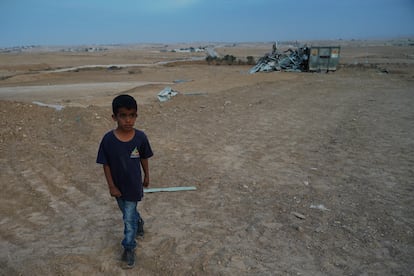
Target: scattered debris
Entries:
(55, 106)
(289, 60)
(166, 94)
(298, 215)
(302, 59)
(195, 93)
(170, 189)
(319, 207)
(181, 81)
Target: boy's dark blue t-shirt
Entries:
(124, 160)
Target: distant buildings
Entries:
(189, 50)
(19, 49)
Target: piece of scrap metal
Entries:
(169, 189)
(166, 94)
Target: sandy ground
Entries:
(296, 173)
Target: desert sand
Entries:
(296, 173)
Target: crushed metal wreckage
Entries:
(289, 60)
(302, 59)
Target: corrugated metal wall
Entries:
(324, 58)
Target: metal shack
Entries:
(324, 58)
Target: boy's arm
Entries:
(145, 168)
(113, 190)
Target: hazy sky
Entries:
(74, 22)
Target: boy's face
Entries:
(125, 118)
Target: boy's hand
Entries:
(114, 191)
(146, 182)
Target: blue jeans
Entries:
(130, 217)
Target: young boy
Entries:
(123, 151)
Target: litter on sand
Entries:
(169, 189)
(166, 94)
(55, 106)
(319, 207)
(181, 81)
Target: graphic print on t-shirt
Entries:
(135, 153)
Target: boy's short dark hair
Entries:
(126, 101)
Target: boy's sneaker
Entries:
(140, 229)
(129, 258)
